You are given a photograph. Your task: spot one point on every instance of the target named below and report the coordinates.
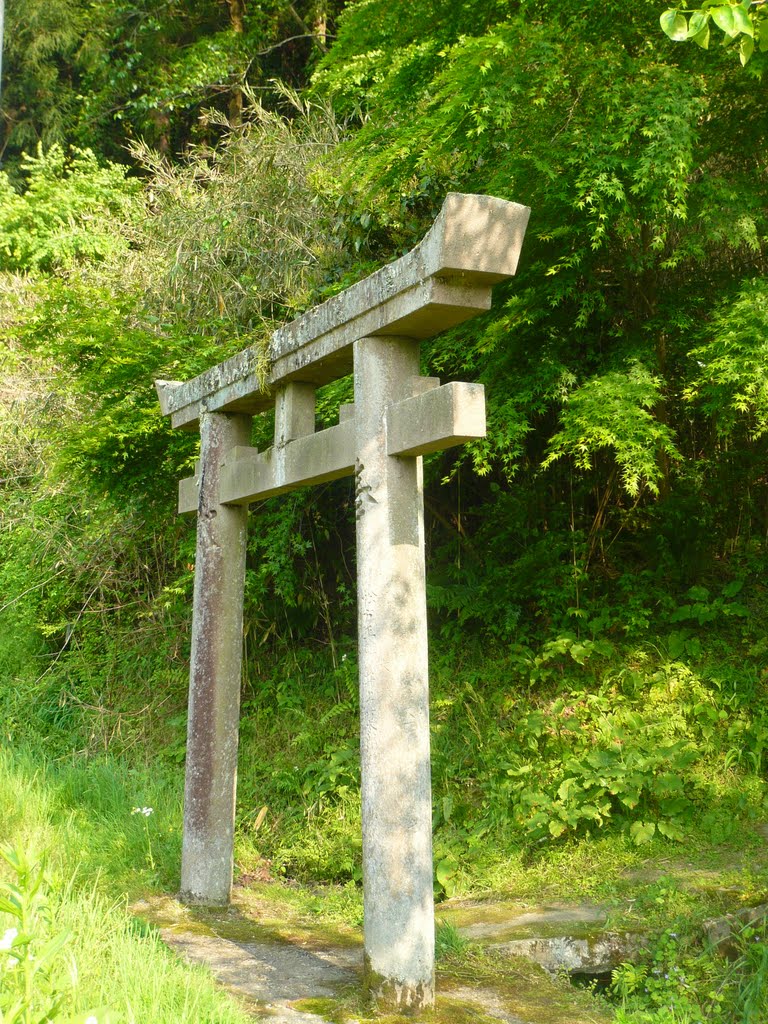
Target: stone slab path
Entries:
(267, 975)
(271, 958)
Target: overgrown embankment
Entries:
(596, 567)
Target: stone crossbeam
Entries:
(315, 459)
(447, 278)
(436, 419)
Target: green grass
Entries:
(126, 968)
(76, 815)
(501, 749)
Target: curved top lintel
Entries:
(474, 243)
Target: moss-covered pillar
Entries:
(214, 678)
(394, 698)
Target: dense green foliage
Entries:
(100, 73)
(595, 565)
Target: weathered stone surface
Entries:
(394, 691)
(436, 420)
(271, 972)
(499, 921)
(214, 686)
(474, 243)
(722, 932)
(557, 936)
(488, 1002)
(597, 955)
(294, 412)
(397, 416)
(250, 475)
(272, 956)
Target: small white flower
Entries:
(91, 1020)
(146, 811)
(7, 940)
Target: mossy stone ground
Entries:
(284, 951)
(288, 968)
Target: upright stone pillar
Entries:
(214, 686)
(394, 696)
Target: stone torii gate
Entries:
(372, 329)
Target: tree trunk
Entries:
(320, 26)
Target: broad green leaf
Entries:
(746, 49)
(737, 609)
(699, 21)
(674, 24)
(668, 782)
(671, 830)
(698, 29)
(630, 799)
(642, 832)
(742, 21)
(446, 869)
(579, 653)
(556, 828)
(566, 787)
(590, 812)
(601, 759)
(537, 824)
(723, 18)
(702, 38)
(675, 806)
(763, 35)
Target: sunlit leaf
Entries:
(723, 18)
(674, 24)
(702, 38)
(642, 832)
(742, 21)
(699, 21)
(671, 830)
(446, 869)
